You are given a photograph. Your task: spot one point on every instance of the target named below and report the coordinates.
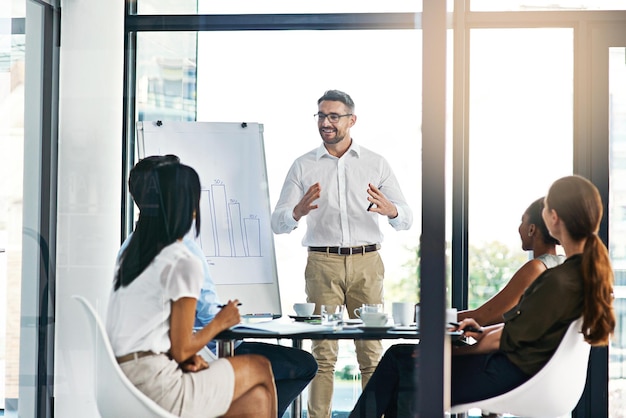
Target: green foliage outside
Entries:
(406, 289)
(490, 268)
(349, 373)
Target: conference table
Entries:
(299, 331)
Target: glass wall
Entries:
(521, 94)
(12, 66)
(28, 79)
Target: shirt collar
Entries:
(322, 151)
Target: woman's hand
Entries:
(184, 342)
(487, 338)
(471, 328)
(194, 364)
(228, 315)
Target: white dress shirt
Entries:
(342, 218)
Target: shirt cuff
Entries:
(398, 220)
(290, 222)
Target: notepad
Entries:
(281, 327)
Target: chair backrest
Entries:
(554, 391)
(116, 396)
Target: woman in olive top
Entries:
(508, 354)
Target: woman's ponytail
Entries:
(599, 318)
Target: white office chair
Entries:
(553, 392)
(116, 396)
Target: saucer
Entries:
(375, 328)
(405, 327)
(304, 318)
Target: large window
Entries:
(275, 78)
(521, 140)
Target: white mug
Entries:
(451, 316)
(403, 313)
(417, 316)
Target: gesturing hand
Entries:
(305, 205)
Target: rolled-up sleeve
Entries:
(282, 217)
(404, 220)
(391, 190)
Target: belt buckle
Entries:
(357, 250)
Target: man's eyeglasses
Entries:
(332, 118)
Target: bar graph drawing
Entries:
(235, 233)
(225, 231)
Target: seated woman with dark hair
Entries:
(152, 308)
(292, 368)
(536, 238)
(508, 354)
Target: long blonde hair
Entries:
(578, 204)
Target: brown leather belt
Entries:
(346, 250)
(134, 356)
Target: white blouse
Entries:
(138, 316)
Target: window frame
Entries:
(586, 162)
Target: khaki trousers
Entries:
(351, 280)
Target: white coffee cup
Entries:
(304, 308)
(451, 316)
(403, 313)
(368, 307)
(374, 319)
(417, 316)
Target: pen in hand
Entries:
(468, 328)
(372, 203)
(221, 306)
